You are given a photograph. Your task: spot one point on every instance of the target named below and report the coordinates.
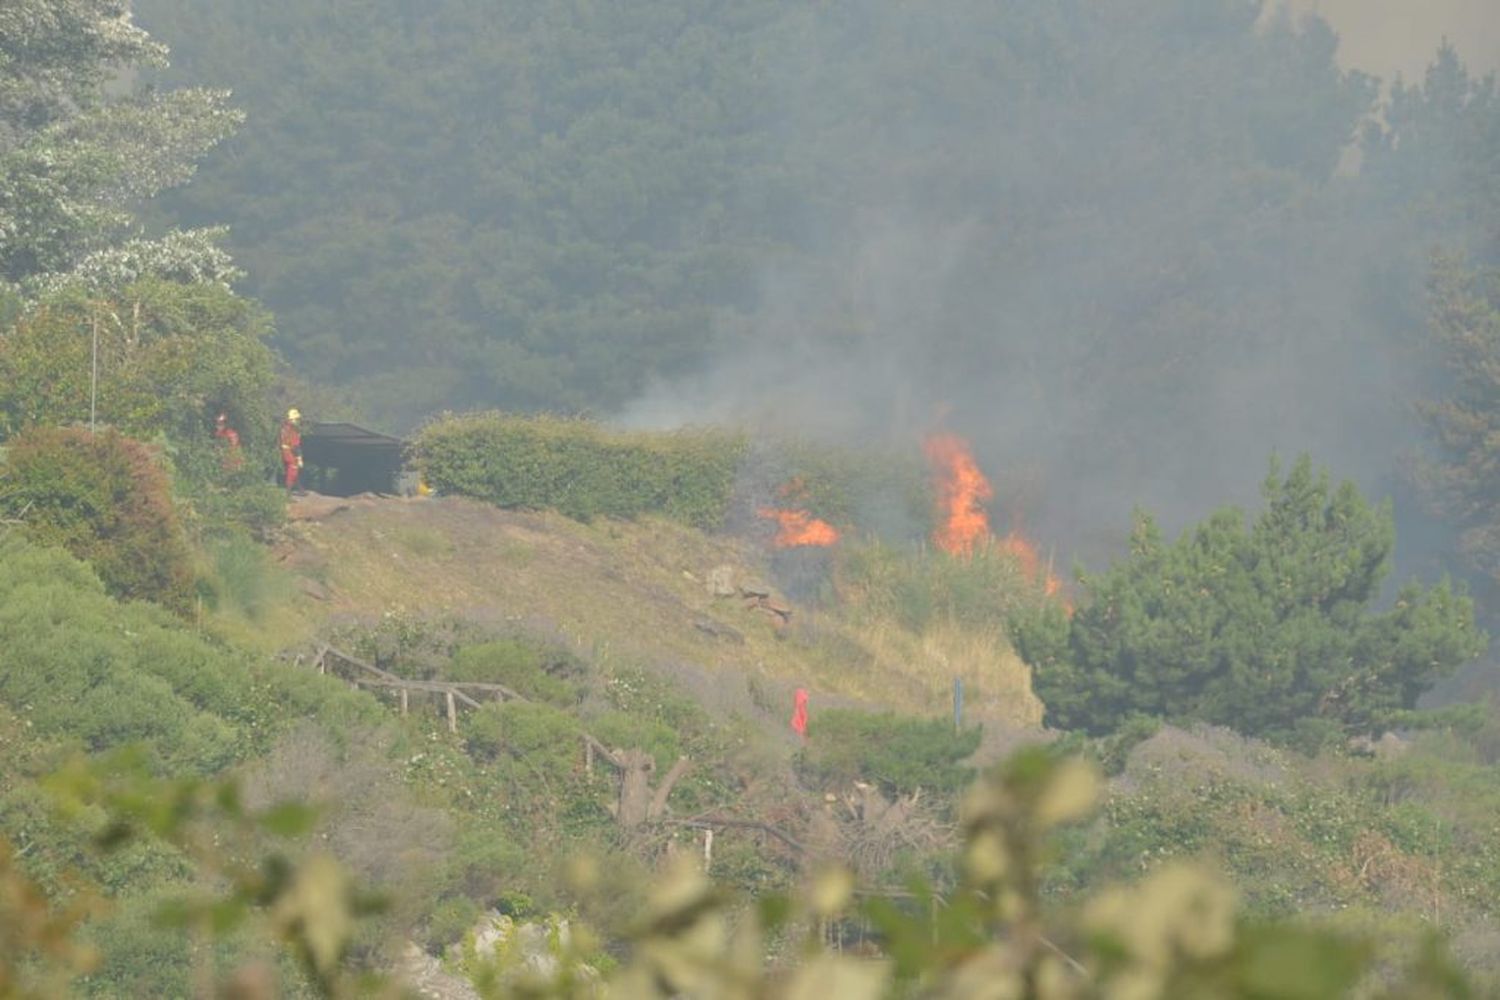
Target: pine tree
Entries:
(1462, 472)
(1264, 627)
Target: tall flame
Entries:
(964, 524)
(797, 527)
(961, 493)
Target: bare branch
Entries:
(659, 800)
(711, 822)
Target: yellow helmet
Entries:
(294, 414)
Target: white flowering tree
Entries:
(82, 144)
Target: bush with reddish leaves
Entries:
(107, 500)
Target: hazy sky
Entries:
(1385, 37)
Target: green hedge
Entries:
(580, 468)
(702, 477)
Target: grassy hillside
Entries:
(1390, 842)
(639, 592)
(610, 628)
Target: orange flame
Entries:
(961, 493)
(964, 524)
(1024, 552)
(799, 528)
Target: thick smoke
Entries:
(1129, 279)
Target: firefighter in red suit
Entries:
(291, 446)
(233, 460)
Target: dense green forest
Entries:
(698, 278)
(1133, 235)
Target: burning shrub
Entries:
(881, 490)
(107, 500)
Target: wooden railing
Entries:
(361, 673)
(638, 803)
(633, 765)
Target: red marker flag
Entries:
(799, 714)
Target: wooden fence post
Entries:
(404, 696)
(452, 712)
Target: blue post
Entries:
(958, 703)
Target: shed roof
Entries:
(351, 436)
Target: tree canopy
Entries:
(1264, 626)
(1461, 473)
(77, 155)
(104, 319)
(170, 356)
(547, 209)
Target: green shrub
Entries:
(898, 753)
(256, 507)
(1259, 627)
(529, 761)
(545, 742)
(580, 468)
(532, 670)
(87, 673)
(144, 954)
(107, 500)
(701, 477)
(243, 577)
(485, 863)
(619, 730)
(652, 698)
(170, 357)
(63, 842)
(1113, 751)
(451, 919)
(141, 956)
(99, 674)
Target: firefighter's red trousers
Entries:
(291, 473)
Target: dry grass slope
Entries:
(634, 592)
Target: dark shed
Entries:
(344, 459)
